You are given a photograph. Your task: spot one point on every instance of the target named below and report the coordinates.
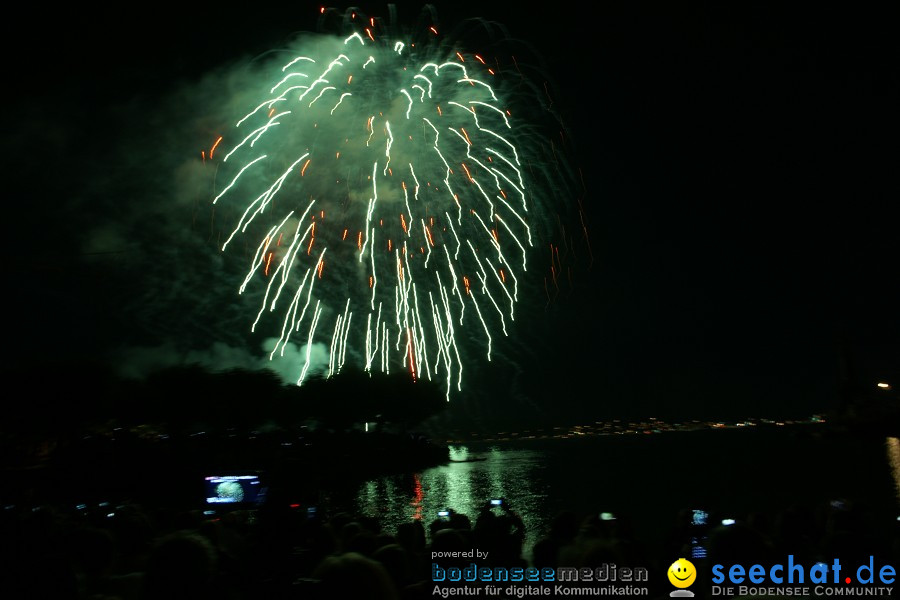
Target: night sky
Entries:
(740, 192)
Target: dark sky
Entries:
(740, 192)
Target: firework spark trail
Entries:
(387, 146)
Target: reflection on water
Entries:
(465, 486)
(893, 454)
(733, 472)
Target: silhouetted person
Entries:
(501, 535)
(353, 575)
(395, 559)
(412, 537)
(563, 530)
(181, 566)
(447, 541)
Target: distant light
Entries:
(727, 522)
(883, 385)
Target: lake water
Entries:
(649, 478)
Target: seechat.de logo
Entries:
(791, 572)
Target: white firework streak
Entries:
(362, 112)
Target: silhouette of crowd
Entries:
(129, 552)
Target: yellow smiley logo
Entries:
(682, 573)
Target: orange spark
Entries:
(461, 59)
(481, 60)
(502, 276)
(306, 164)
(369, 33)
(321, 267)
(309, 248)
(466, 283)
(463, 129)
(371, 281)
(271, 112)
(390, 245)
(403, 223)
(439, 110)
(344, 236)
(268, 262)
(214, 146)
(430, 239)
(409, 344)
(359, 240)
(466, 169)
(433, 30)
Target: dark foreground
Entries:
(109, 518)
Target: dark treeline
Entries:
(81, 432)
(65, 400)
